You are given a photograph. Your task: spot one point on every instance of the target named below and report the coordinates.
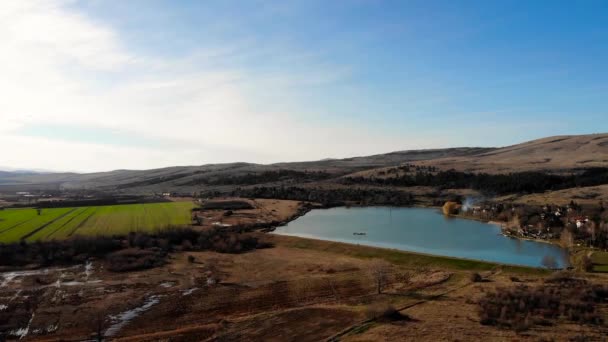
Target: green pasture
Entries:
(62, 223)
(600, 261)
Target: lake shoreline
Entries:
(490, 264)
(411, 246)
(497, 223)
(553, 242)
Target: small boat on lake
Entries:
(355, 233)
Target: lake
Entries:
(422, 230)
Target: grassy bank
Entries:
(408, 259)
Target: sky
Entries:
(102, 85)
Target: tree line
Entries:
(329, 197)
(251, 178)
(136, 250)
(518, 182)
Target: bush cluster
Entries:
(133, 251)
(562, 297)
(132, 259)
(57, 252)
(384, 312)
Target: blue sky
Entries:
(102, 85)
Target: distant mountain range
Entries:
(22, 171)
(553, 154)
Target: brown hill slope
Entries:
(193, 178)
(558, 153)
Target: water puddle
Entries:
(8, 277)
(22, 332)
(80, 283)
(88, 270)
(189, 291)
(122, 319)
(50, 329)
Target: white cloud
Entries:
(59, 36)
(60, 67)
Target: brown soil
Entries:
(263, 212)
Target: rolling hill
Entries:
(191, 178)
(553, 154)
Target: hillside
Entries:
(192, 178)
(548, 154)
(553, 154)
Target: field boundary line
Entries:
(68, 221)
(14, 226)
(81, 224)
(46, 224)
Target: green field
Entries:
(62, 223)
(600, 261)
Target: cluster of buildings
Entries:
(546, 223)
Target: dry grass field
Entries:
(590, 195)
(300, 290)
(550, 154)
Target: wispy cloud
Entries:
(64, 70)
(263, 82)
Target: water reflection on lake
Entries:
(421, 230)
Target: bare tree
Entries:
(592, 230)
(587, 263)
(99, 328)
(567, 238)
(380, 270)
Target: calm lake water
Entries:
(421, 230)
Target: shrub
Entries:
(476, 277)
(384, 312)
(133, 259)
(587, 264)
(549, 262)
